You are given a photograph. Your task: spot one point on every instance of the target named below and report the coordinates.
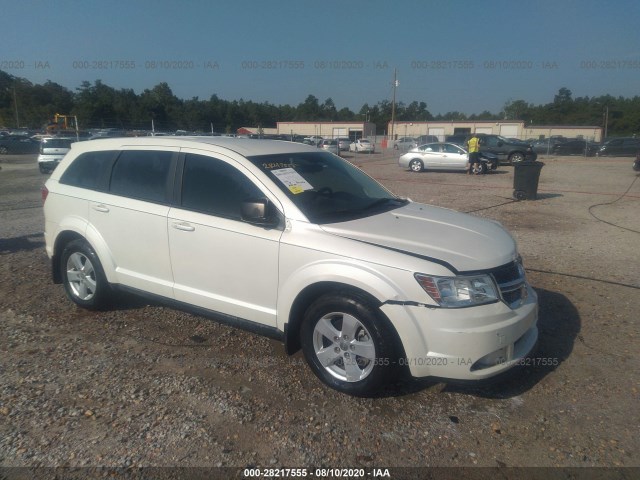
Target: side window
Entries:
(215, 187)
(490, 141)
(141, 174)
(450, 149)
(88, 169)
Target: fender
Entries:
(104, 253)
(70, 223)
(338, 271)
(85, 230)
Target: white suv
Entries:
(52, 151)
(294, 243)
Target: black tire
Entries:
(83, 277)
(43, 169)
(519, 194)
(361, 354)
(516, 157)
(416, 165)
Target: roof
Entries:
(562, 126)
(243, 146)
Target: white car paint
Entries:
(256, 273)
(437, 156)
(362, 145)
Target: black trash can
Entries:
(525, 180)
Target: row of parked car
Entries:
(513, 150)
(507, 150)
(615, 147)
(340, 144)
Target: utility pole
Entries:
(15, 104)
(393, 103)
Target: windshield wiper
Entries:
(384, 201)
(357, 212)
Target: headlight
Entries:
(455, 292)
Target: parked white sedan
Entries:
(362, 145)
(439, 156)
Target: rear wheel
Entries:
(348, 343)
(82, 275)
(416, 165)
(516, 157)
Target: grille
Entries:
(512, 283)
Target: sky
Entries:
(466, 56)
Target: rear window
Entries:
(57, 143)
(142, 174)
(88, 170)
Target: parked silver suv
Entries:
(295, 243)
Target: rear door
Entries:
(220, 262)
(131, 217)
(431, 155)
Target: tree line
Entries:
(98, 105)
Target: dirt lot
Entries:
(145, 385)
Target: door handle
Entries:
(184, 226)
(101, 208)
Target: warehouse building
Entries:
(439, 129)
(352, 130)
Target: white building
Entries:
(352, 130)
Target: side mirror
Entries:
(259, 212)
(500, 143)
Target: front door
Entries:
(220, 262)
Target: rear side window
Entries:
(87, 171)
(142, 174)
(215, 187)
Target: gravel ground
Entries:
(143, 385)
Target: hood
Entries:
(460, 241)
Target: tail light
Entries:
(44, 192)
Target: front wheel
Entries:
(348, 343)
(84, 280)
(479, 168)
(416, 165)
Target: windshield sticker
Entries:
(292, 180)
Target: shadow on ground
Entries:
(21, 244)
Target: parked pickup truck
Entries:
(507, 151)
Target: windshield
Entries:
(326, 188)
